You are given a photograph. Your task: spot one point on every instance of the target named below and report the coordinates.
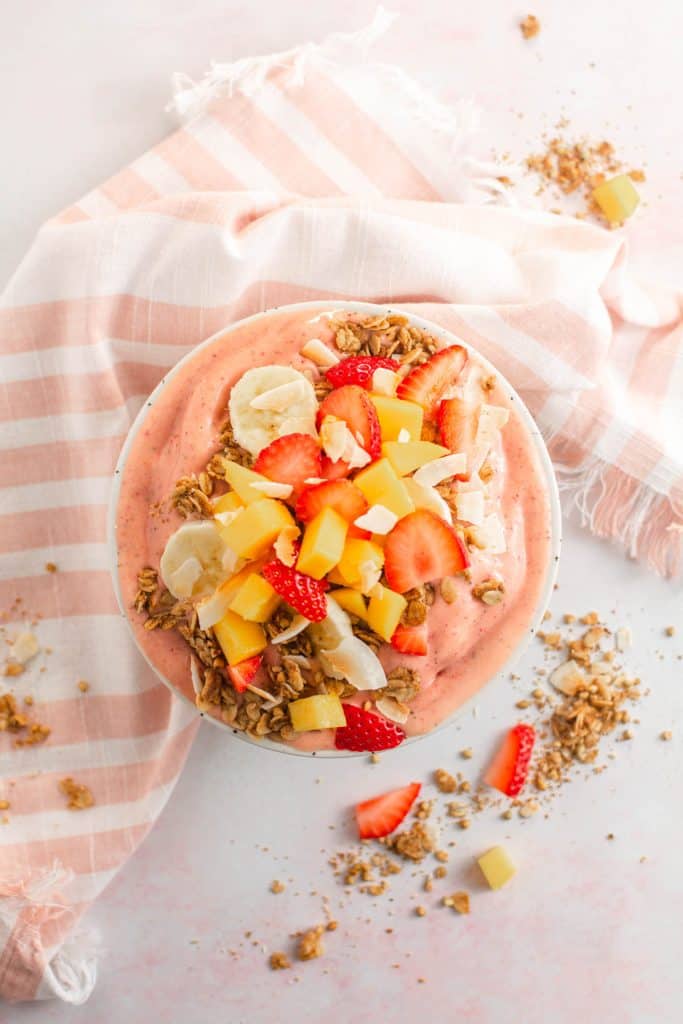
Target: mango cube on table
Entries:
(255, 600)
(352, 564)
(238, 638)
(382, 486)
(323, 544)
(617, 198)
(395, 415)
(255, 527)
(240, 479)
(409, 456)
(322, 711)
(496, 867)
(384, 611)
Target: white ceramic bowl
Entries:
(368, 309)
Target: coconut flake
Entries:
(403, 436)
(225, 518)
(211, 609)
(285, 545)
(393, 709)
(281, 397)
(567, 678)
(470, 506)
(492, 533)
(195, 677)
(182, 581)
(384, 381)
(354, 661)
(231, 561)
(297, 425)
(492, 418)
(378, 519)
(298, 625)
(272, 489)
(24, 648)
(429, 498)
(370, 574)
(319, 353)
(623, 638)
(312, 481)
(339, 443)
(434, 472)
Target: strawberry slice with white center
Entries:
(341, 495)
(243, 673)
(359, 370)
(427, 384)
(411, 639)
(509, 769)
(330, 470)
(364, 730)
(290, 460)
(421, 548)
(382, 814)
(458, 421)
(352, 405)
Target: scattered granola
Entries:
(445, 782)
(310, 945)
(279, 961)
(414, 843)
(459, 901)
(12, 720)
(79, 796)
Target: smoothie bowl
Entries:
(331, 525)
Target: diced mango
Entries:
(384, 612)
(229, 502)
(322, 711)
(617, 198)
(323, 544)
(496, 867)
(395, 414)
(381, 486)
(255, 600)
(406, 458)
(334, 576)
(356, 553)
(238, 638)
(240, 479)
(255, 528)
(351, 601)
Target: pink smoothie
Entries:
(469, 641)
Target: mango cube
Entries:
(240, 479)
(322, 711)
(356, 553)
(238, 638)
(255, 600)
(496, 867)
(617, 198)
(384, 612)
(255, 527)
(395, 415)
(406, 458)
(352, 601)
(230, 502)
(323, 544)
(381, 486)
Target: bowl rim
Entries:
(370, 309)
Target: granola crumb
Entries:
(528, 808)
(507, 814)
(670, 631)
(530, 26)
(83, 686)
(467, 753)
(464, 823)
(445, 782)
(310, 945)
(459, 901)
(332, 925)
(547, 615)
(428, 884)
(50, 567)
(13, 668)
(420, 911)
(79, 795)
(375, 758)
(4, 805)
(441, 855)
(279, 961)
(448, 589)
(666, 735)
(440, 872)
(276, 886)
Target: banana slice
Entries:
(266, 399)
(195, 560)
(334, 628)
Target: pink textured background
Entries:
(586, 931)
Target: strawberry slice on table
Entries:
(458, 423)
(290, 460)
(427, 383)
(351, 404)
(341, 495)
(421, 548)
(510, 766)
(359, 370)
(302, 592)
(364, 730)
(243, 673)
(411, 639)
(382, 814)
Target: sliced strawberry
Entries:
(411, 639)
(420, 548)
(427, 383)
(358, 370)
(381, 815)
(351, 404)
(458, 422)
(341, 495)
(306, 595)
(364, 730)
(290, 460)
(243, 673)
(357, 533)
(509, 768)
(334, 470)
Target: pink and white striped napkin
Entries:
(311, 174)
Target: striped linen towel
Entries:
(311, 174)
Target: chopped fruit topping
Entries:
(340, 445)
(378, 519)
(396, 416)
(322, 711)
(354, 661)
(354, 562)
(319, 353)
(445, 468)
(422, 548)
(365, 730)
(323, 543)
(617, 198)
(255, 528)
(358, 370)
(411, 639)
(290, 460)
(341, 495)
(509, 768)
(230, 502)
(352, 405)
(352, 601)
(256, 600)
(407, 457)
(330, 470)
(303, 593)
(240, 479)
(496, 867)
(243, 673)
(239, 639)
(381, 815)
(427, 383)
(458, 422)
(429, 498)
(381, 486)
(385, 611)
